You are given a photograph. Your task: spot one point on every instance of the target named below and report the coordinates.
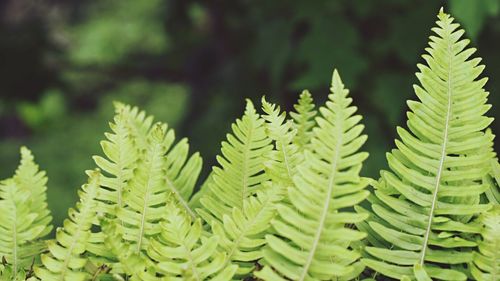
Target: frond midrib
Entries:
(242, 233)
(285, 159)
(441, 160)
(15, 265)
(326, 206)
(179, 197)
(146, 199)
(246, 159)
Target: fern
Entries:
(66, 260)
(25, 217)
(242, 170)
(163, 169)
(285, 157)
(304, 120)
(486, 263)
(242, 232)
(181, 252)
(421, 225)
(312, 240)
(146, 169)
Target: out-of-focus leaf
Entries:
(117, 28)
(331, 42)
(473, 14)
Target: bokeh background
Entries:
(192, 63)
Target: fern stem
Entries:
(245, 163)
(14, 253)
(140, 237)
(181, 200)
(285, 158)
(326, 206)
(441, 162)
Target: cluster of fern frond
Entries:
(286, 200)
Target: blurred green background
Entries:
(192, 63)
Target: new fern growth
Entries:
(286, 200)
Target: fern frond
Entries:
(285, 157)
(29, 177)
(312, 239)
(25, 217)
(181, 252)
(304, 119)
(65, 260)
(486, 264)
(144, 169)
(242, 167)
(423, 208)
(242, 233)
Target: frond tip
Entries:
(25, 218)
(241, 171)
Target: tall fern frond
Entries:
(241, 171)
(304, 119)
(421, 224)
(24, 217)
(65, 260)
(312, 239)
(181, 252)
(285, 157)
(486, 264)
(121, 150)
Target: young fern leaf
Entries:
(181, 252)
(143, 164)
(283, 162)
(146, 196)
(486, 263)
(131, 129)
(304, 120)
(122, 152)
(65, 260)
(25, 217)
(312, 241)
(421, 210)
(242, 233)
(242, 167)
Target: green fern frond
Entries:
(148, 191)
(242, 233)
(144, 169)
(25, 217)
(65, 260)
(312, 241)
(304, 119)
(285, 157)
(242, 167)
(181, 252)
(421, 223)
(486, 264)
